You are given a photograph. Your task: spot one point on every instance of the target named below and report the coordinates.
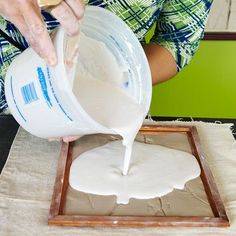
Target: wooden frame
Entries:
(56, 216)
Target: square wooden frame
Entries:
(220, 219)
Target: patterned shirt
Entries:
(179, 28)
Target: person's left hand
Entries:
(68, 13)
(66, 139)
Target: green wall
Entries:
(205, 88)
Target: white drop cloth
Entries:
(27, 181)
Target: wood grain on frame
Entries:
(57, 217)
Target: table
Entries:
(32, 165)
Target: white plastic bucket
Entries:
(40, 97)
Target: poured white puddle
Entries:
(154, 171)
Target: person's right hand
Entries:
(26, 16)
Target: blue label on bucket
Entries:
(43, 84)
(29, 93)
(14, 100)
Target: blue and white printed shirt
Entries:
(179, 28)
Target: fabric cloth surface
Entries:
(27, 181)
(179, 28)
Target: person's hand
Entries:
(26, 16)
(66, 139)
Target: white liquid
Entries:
(97, 88)
(154, 171)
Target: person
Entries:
(179, 29)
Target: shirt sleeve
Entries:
(180, 28)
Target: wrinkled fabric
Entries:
(27, 181)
